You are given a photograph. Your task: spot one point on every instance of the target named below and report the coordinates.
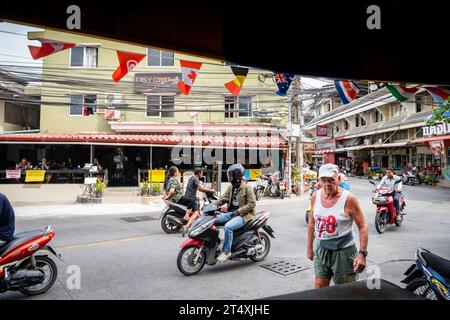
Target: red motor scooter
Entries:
(386, 213)
(22, 269)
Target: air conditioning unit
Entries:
(114, 98)
(366, 142)
(380, 141)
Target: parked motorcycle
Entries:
(429, 277)
(204, 245)
(173, 214)
(264, 185)
(22, 269)
(385, 212)
(409, 178)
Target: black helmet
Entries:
(235, 173)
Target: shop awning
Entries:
(373, 146)
(421, 140)
(169, 140)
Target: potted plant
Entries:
(156, 189)
(100, 186)
(145, 188)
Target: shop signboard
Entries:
(157, 82)
(322, 130)
(436, 130)
(35, 176)
(13, 174)
(437, 147)
(326, 144)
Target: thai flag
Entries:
(347, 90)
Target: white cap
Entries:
(328, 170)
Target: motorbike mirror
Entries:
(371, 182)
(398, 181)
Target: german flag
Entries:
(235, 86)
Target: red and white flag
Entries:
(127, 60)
(49, 47)
(189, 71)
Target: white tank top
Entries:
(332, 223)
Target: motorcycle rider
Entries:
(241, 207)
(7, 220)
(388, 181)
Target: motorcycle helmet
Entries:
(235, 173)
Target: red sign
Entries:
(322, 130)
(437, 147)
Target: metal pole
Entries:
(288, 166)
(91, 158)
(151, 167)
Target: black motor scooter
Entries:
(203, 245)
(173, 214)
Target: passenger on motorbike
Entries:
(388, 181)
(172, 186)
(7, 220)
(241, 209)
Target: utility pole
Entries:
(299, 120)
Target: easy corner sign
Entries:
(35, 176)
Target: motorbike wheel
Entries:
(185, 261)
(45, 265)
(282, 194)
(265, 241)
(259, 194)
(380, 222)
(420, 287)
(168, 226)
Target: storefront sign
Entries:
(327, 144)
(255, 173)
(322, 130)
(157, 175)
(437, 147)
(157, 82)
(379, 152)
(35, 176)
(13, 174)
(436, 130)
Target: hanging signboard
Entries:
(322, 130)
(35, 176)
(157, 82)
(436, 130)
(13, 174)
(437, 147)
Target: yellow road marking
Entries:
(100, 243)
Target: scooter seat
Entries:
(439, 264)
(173, 204)
(20, 239)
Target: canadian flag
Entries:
(189, 71)
(48, 47)
(127, 60)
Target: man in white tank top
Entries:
(331, 243)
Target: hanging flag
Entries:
(439, 94)
(283, 81)
(235, 86)
(127, 60)
(401, 93)
(189, 71)
(347, 90)
(87, 111)
(49, 47)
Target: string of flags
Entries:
(347, 90)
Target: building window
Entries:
(377, 116)
(160, 106)
(78, 102)
(359, 121)
(418, 104)
(84, 57)
(397, 111)
(337, 129)
(159, 58)
(346, 124)
(238, 107)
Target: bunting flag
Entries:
(235, 86)
(189, 71)
(347, 90)
(127, 60)
(401, 93)
(49, 47)
(283, 81)
(439, 94)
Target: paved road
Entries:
(123, 260)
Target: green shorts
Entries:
(336, 264)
